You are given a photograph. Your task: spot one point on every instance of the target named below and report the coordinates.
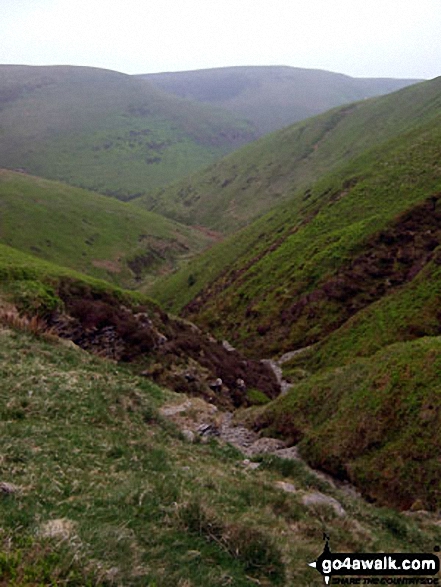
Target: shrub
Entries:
(257, 397)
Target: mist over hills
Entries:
(272, 97)
(244, 185)
(107, 131)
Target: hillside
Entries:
(125, 327)
(347, 273)
(98, 485)
(371, 422)
(108, 479)
(88, 232)
(272, 97)
(299, 246)
(244, 185)
(99, 489)
(107, 131)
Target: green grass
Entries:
(246, 289)
(408, 313)
(107, 131)
(350, 265)
(107, 492)
(34, 285)
(88, 232)
(374, 421)
(279, 167)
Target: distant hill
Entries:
(89, 232)
(232, 192)
(122, 135)
(107, 131)
(273, 97)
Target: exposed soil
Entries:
(110, 266)
(157, 252)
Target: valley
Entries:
(214, 352)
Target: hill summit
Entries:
(272, 97)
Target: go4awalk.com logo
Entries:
(395, 568)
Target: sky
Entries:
(361, 38)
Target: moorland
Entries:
(155, 239)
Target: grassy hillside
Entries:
(244, 185)
(300, 272)
(272, 97)
(374, 422)
(97, 488)
(106, 131)
(126, 327)
(349, 267)
(91, 233)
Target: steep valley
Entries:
(294, 322)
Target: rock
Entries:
(227, 346)
(61, 528)
(288, 453)
(174, 409)
(266, 445)
(9, 488)
(188, 435)
(317, 498)
(250, 464)
(208, 430)
(288, 487)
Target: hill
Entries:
(98, 488)
(91, 233)
(272, 97)
(105, 130)
(345, 278)
(124, 327)
(371, 422)
(244, 185)
(324, 226)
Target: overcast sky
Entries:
(369, 38)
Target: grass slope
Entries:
(272, 97)
(287, 280)
(351, 266)
(91, 233)
(98, 489)
(106, 131)
(127, 327)
(245, 184)
(375, 422)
